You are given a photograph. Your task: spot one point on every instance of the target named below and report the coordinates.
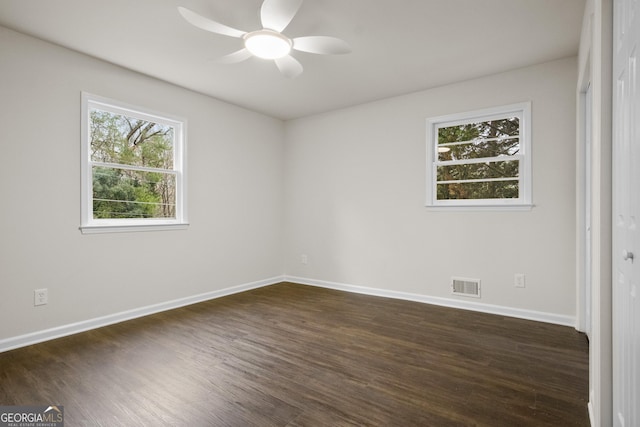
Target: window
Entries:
(133, 175)
(480, 159)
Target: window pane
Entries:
(478, 190)
(120, 193)
(506, 169)
(485, 139)
(116, 138)
(480, 148)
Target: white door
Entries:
(626, 215)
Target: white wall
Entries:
(355, 193)
(234, 189)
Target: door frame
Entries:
(595, 65)
(584, 184)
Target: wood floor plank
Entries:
(294, 355)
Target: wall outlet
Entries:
(40, 296)
(304, 259)
(518, 280)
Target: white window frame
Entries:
(89, 224)
(524, 201)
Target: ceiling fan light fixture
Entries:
(267, 44)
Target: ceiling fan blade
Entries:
(276, 14)
(289, 66)
(209, 24)
(235, 57)
(321, 44)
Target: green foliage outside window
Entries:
(497, 141)
(144, 185)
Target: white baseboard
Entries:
(538, 316)
(98, 322)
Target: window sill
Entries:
(99, 229)
(471, 208)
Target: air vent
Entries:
(465, 287)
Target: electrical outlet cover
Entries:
(40, 297)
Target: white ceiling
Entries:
(399, 46)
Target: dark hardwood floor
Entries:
(294, 355)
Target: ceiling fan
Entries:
(269, 42)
